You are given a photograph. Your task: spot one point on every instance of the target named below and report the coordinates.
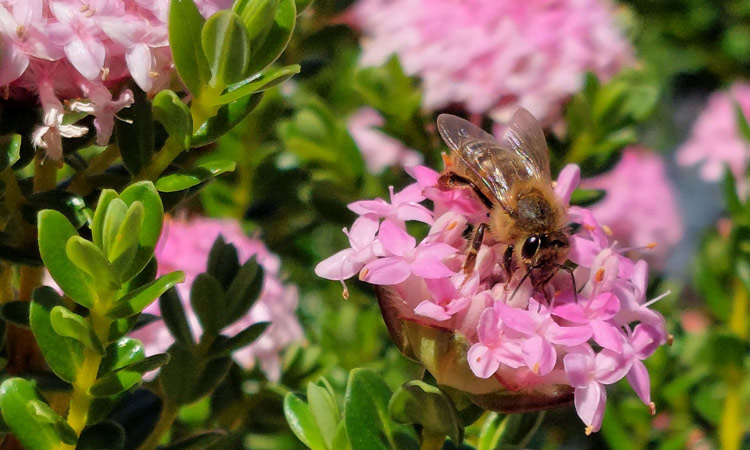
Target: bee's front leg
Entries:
(475, 243)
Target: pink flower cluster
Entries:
(185, 245)
(640, 209)
(495, 55)
(520, 337)
(716, 141)
(55, 50)
(378, 149)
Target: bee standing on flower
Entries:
(513, 180)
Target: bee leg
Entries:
(572, 278)
(471, 253)
(508, 261)
(450, 180)
(525, 276)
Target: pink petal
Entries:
(567, 182)
(377, 206)
(516, 318)
(590, 403)
(457, 305)
(431, 310)
(578, 368)
(425, 176)
(605, 304)
(540, 356)
(385, 271)
(363, 231)
(639, 380)
(430, 268)
(410, 194)
(645, 340)
(442, 289)
(14, 62)
(394, 239)
(414, 212)
(435, 250)
(489, 326)
(338, 266)
(611, 367)
(572, 312)
(569, 336)
(87, 57)
(481, 361)
(607, 335)
(138, 59)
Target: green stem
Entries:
(80, 399)
(80, 184)
(161, 160)
(731, 425)
(432, 441)
(167, 417)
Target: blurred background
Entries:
(649, 98)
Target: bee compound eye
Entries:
(530, 247)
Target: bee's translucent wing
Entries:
(482, 158)
(525, 137)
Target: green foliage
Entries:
(417, 402)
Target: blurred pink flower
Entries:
(640, 207)
(493, 56)
(495, 335)
(82, 50)
(715, 140)
(185, 245)
(378, 149)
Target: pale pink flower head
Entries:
(494, 336)
(493, 56)
(184, 246)
(715, 140)
(79, 51)
(379, 150)
(640, 208)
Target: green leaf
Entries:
(209, 303)
(185, 26)
(173, 314)
(10, 150)
(63, 355)
(134, 132)
(587, 197)
(417, 402)
(508, 431)
(224, 120)
(197, 441)
(368, 423)
(137, 300)
(244, 290)
(340, 439)
(731, 197)
(188, 377)
(174, 115)
(223, 261)
(54, 232)
(69, 324)
(89, 258)
(16, 312)
(261, 82)
(277, 38)
(121, 353)
(103, 435)
(226, 45)
(324, 410)
(102, 207)
(113, 217)
(125, 378)
(258, 17)
(302, 5)
(33, 422)
(742, 125)
(153, 217)
(188, 178)
(124, 247)
(302, 423)
(244, 338)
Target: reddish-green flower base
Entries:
(443, 353)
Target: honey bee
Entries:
(512, 179)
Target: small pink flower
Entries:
(445, 300)
(588, 373)
(405, 257)
(715, 140)
(364, 248)
(493, 348)
(596, 312)
(540, 332)
(103, 108)
(403, 206)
